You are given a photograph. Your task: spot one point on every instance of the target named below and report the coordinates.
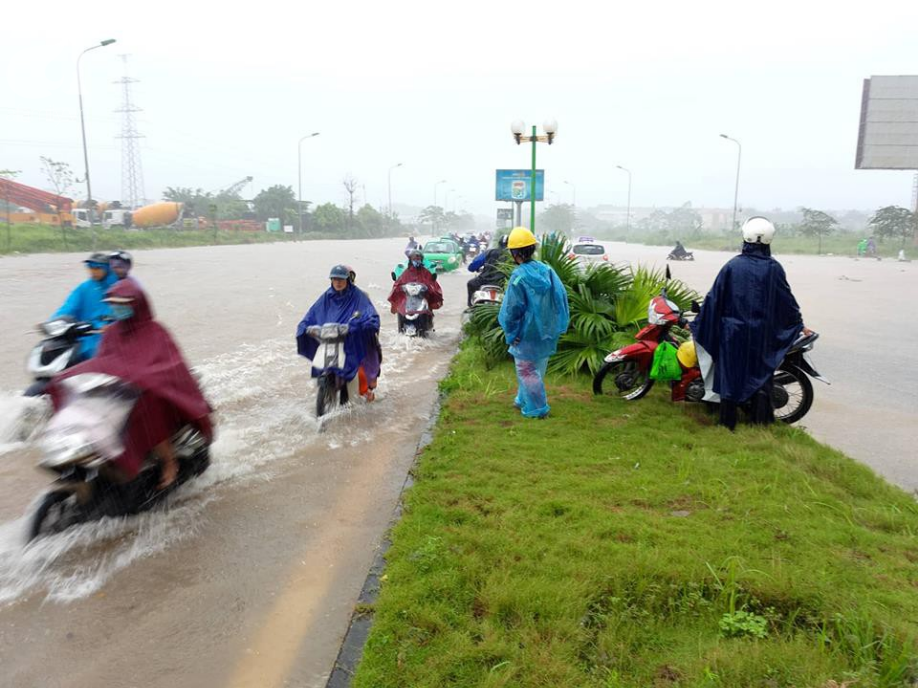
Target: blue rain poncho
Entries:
(85, 304)
(534, 313)
(748, 322)
(352, 307)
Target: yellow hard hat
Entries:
(687, 355)
(520, 237)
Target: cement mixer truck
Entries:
(158, 214)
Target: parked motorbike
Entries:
(79, 446)
(415, 318)
(57, 351)
(487, 293)
(687, 255)
(330, 357)
(626, 371)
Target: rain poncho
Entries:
(352, 307)
(141, 352)
(533, 315)
(747, 323)
(419, 275)
(85, 304)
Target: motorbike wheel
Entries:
(627, 381)
(50, 516)
(325, 399)
(793, 383)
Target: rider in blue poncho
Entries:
(85, 303)
(344, 303)
(534, 314)
(747, 323)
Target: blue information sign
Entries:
(513, 185)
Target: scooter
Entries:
(487, 293)
(415, 318)
(330, 357)
(57, 351)
(79, 446)
(626, 371)
(688, 255)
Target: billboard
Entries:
(888, 135)
(513, 185)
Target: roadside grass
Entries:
(637, 544)
(836, 245)
(43, 239)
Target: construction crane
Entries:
(234, 188)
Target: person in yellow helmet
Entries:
(534, 314)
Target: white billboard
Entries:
(888, 136)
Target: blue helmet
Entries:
(339, 272)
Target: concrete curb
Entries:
(358, 630)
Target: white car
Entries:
(589, 253)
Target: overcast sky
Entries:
(227, 93)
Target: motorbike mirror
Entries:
(696, 307)
(393, 275)
(435, 277)
(669, 275)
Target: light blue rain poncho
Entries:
(534, 314)
(85, 304)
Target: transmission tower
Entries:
(132, 191)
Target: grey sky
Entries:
(227, 93)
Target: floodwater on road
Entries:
(250, 577)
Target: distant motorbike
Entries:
(687, 255)
(330, 357)
(415, 318)
(79, 446)
(57, 351)
(626, 371)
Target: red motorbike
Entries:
(626, 371)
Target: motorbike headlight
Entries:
(65, 449)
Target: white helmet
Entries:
(758, 230)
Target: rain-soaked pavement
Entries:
(250, 577)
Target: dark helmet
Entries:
(340, 272)
(98, 257)
(351, 274)
(415, 254)
(123, 256)
(502, 242)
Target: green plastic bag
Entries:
(665, 364)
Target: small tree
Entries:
(8, 174)
(894, 222)
(350, 187)
(817, 223)
(61, 179)
(558, 219)
(329, 218)
(432, 215)
(275, 201)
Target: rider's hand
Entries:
(807, 331)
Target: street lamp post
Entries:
(739, 156)
(390, 190)
(92, 226)
(628, 215)
(433, 227)
(299, 178)
(550, 127)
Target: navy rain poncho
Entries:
(350, 306)
(748, 322)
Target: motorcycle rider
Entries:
(120, 263)
(679, 251)
(369, 369)
(412, 244)
(533, 315)
(345, 304)
(416, 272)
(747, 323)
(87, 303)
(140, 351)
(487, 265)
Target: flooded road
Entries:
(250, 578)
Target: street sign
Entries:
(505, 213)
(513, 185)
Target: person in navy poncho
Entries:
(747, 323)
(344, 303)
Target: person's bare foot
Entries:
(168, 472)
(371, 395)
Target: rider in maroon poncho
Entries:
(416, 272)
(140, 351)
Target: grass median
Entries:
(637, 544)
